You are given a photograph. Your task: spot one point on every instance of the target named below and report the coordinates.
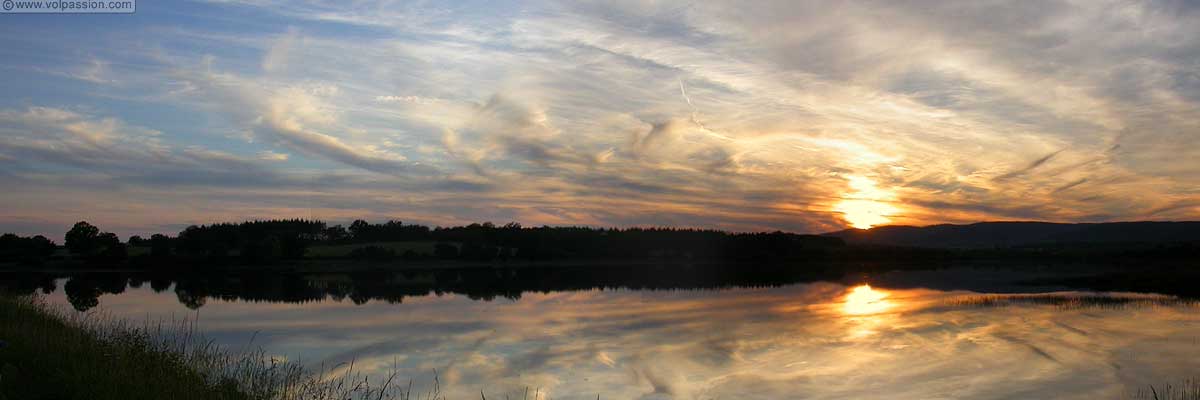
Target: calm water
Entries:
(833, 339)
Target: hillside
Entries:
(1018, 234)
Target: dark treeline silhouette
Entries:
(314, 243)
(486, 242)
(25, 250)
(363, 232)
(253, 241)
(272, 241)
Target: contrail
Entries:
(683, 91)
(695, 113)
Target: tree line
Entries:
(270, 241)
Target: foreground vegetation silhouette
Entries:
(50, 354)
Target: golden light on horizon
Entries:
(864, 214)
(867, 205)
(863, 300)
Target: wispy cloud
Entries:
(710, 114)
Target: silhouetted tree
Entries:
(359, 228)
(391, 231)
(25, 249)
(160, 245)
(110, 247)
(81, 239)
(41, 246)
(257, 241)
(335, 233)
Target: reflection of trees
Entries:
(82, 294)
(84, 290)
(27, 284)
(489, 283)
(194, 290)
(190, 299)
(160, 284)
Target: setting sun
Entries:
(864, 214)
(863, 300)
(867, 205)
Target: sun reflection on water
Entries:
(863, 300)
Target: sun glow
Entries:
(867, 205)
(863, 300)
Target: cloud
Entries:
(276, 57)
(713, 114)
(272, 156)
(1033, 165)
(285, 116)
(405, 99)
(52, 136)
(660, 135)
(1068, 186)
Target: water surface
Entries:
(832, 339)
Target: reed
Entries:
(1188, 390)
(49, 353)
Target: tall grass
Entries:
(1070, 300)
(1189, 390)
(48, 353)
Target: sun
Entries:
(866, 205)
(864, 214)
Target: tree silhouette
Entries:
(335, 234)
(255, 241)
(81, 239)
(110, 247)
(160, 245)
(28, 250)
(272, 241)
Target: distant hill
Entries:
(1019, 234)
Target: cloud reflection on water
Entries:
(820, 340)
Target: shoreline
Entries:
(48, 353)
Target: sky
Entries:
(798, 116)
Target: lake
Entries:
(942, 334)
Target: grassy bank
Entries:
(48, 353)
